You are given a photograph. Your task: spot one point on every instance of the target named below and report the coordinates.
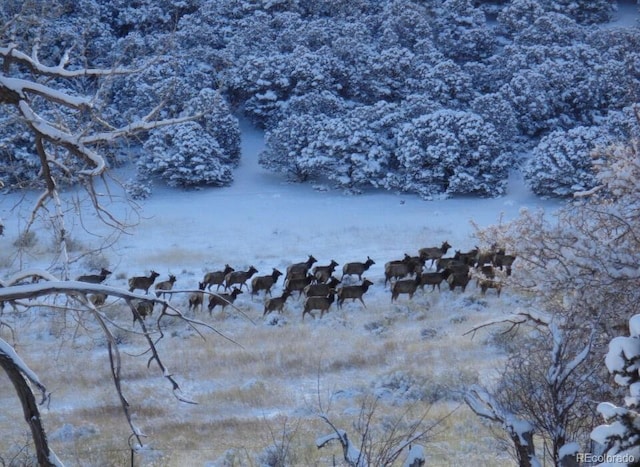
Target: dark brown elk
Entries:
(264, 282)
(485, 272)
(415, 262)
(354, 292)
(223, 299)
(239, 277)
(323, 273)
(95, 278)
(406, 286)
(400, 268)
(297, 270)
(298, 285)
(434, 253)
(433, 279)
(276, 303)
(321, 290)
(458, 280)
(357, 268)
(98, 299)
(490, 284)
(196, 299)
(165, 285)
(449, 263)
(318, 303)
(143, 308)
(217, 277)
(470, 257)
(142, 282)
(502, 260)
(485, 257)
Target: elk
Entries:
(165, 285)
(217, 277)
(434, 253)
(143, 308)
(355, 292)
(223, 299)
(399, 268)
(458, 280)
(298, 285)
(321, 290)
(501, 260)
(98, 299)
(470, 257)
(490, 284)
(406, 286)
(300, 269)
(142, 282)
(196, 299)
(449, 263)
(95, 278)
(323, 273)
(264, 282)
(318, 303)
(276, 303)
(432, 278)
(357, 268)
(239, 277)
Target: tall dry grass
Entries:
(251, 394)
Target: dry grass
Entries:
(250, 394)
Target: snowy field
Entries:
(411, 353)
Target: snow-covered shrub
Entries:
(218, 122)
(552, 29)
(451, 152)
(619, 437)
(518, 15)
(561, 164)
(401, 386)
(584, 12)
(138, 188)
(462, 32)
(185, 155)
(348, 153)
(497, 110)
(444, 82)
(288, 144)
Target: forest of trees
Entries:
(428, 97)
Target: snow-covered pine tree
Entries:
(451, 152)
(561, 164)
(185, 156)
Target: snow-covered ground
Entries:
(264, 221)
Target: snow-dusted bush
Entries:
(518, 15)
(462, 32)
(218, 122)
(185, 155)
(497, 110)
(346, 151)
(561, 164)
(289, 144)
(585, 11)
(619, 437)
(451, 152)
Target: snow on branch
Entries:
(12, 54)
(10, 353)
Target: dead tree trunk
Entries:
(30, 409)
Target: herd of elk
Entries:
(321, 288)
